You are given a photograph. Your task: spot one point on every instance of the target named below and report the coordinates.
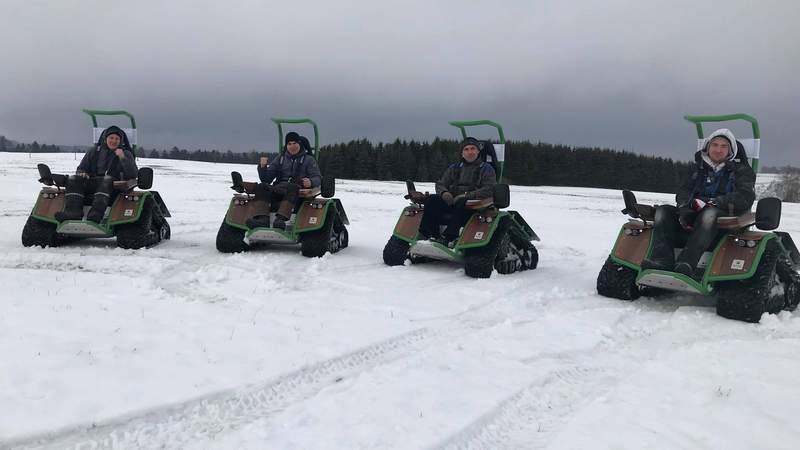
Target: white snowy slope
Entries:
(179, 346)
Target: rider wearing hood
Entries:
(471, 178)
(282, 180)
(110, 160)
(721, 182)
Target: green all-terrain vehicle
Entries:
(492, 237)
(750, 272)
(138, 218)
(317, 224)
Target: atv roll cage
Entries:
(97, 131)
(752, 145)
(281, 121)
(498, 148)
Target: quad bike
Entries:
(750, 272)
(138, 218)
(492, 237)
(317, 224)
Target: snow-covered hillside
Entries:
(180, 346)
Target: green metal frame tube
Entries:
(279, 121)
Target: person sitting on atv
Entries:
(110, 160)
(294, 169)
(471, 178)
(720, 183)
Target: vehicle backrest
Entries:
(493, 154)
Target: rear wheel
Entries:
(39, 232)
(748, 299)
(617, 281)
(395, 252)
(230, 239)
(331, 237)
(791, 279)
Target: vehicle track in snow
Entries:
(533, 416)
(204, 418)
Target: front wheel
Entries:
(617, 281)
(142, 233)
(747, 300)
(481, 261)
(395, 252)
(39, 232)
(332, 237)
(230, 239)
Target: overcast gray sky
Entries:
(613, 73)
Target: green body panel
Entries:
(488, 238)
(143, 195)
(42, 218)
(705, 286)
(294, 235)
(320, 224)
(280, 121)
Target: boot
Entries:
(98, 209)
(661, 258)
(73, 208)
(258, 221)
(280, 221)
(284, 212)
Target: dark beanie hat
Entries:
(470, 141)
(292, 137)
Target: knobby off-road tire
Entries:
(748, 299)
(39, 232)
(395, 252)
(231, 239)
(142, 233)
(331, 237)
(479, 262)
(617, 281)
(160, 223)
(791, 280)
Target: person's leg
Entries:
(73, 199)
(458, 218)
(434, 207)
(665, 230)
(291, 193)
(704, 232)
(261, 201)
(102, 187)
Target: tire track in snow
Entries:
(533, 416)
(203, 418)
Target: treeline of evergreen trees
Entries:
(527, 163)
(34, 147)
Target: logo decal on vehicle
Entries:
(737, 264)
(312, 220)
(479, 235)
(128, 213)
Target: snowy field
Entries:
(180, 346)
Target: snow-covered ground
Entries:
(179, 346)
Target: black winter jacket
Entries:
(476, 180)
(735, 192)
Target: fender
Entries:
(127, 207)
(478, 233)
(633, 244)
(733, 262)
(312, 215)
(407, 227)
(48, 203)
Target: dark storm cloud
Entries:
(209, 74)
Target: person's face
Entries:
(293, 147)
(112, 141)
(470, 153)
(719, 149)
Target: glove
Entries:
(698, 204)
(447, 198)
(416, 197)
(460, 201)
